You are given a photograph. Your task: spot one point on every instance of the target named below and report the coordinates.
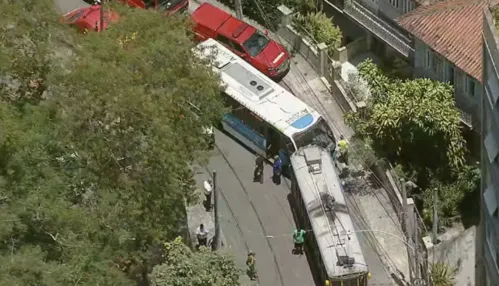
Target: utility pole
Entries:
(216, 239)
(416, 247)
(101, 15)
(407, 232)
(239, 9)
(435, 216)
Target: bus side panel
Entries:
(245, 134)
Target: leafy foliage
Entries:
(442, 274)
(412, 121)
(97, 138)
(321, 28)
(450, 195)
(415, 124)
(265, 12)
(182, 266)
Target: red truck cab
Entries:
(88, 18)
(168, 6)
(251, 44)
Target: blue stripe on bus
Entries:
(243, 129)
(303, 121)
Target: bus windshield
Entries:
(319, 134)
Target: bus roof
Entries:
(331, 222)
(258, 93)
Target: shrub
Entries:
(321, 28)
(263, 11)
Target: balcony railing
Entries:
(378, 27)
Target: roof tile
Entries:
(453, 29)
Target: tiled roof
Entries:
(453, 29)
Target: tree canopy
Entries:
(412, 121)
(96, 144)
(182, 267)
(415, 124)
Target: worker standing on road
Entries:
(343, 149)
(251, 265)
(299, 239)
(277, 170)
(258, 172)
(208, 190)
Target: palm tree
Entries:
(442, 274)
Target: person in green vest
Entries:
(299, 238)
(343, 149)
(251, 265)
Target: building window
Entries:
(491, 147)
(395, 3)
(470, 86)
(492, 242)
(490, 199)
(432, 60)
(492, 83)
(408, 6)
(450, 73)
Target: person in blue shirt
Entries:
(277, 170)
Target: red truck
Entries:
(168, 6)
(251, 44)
(88, 18)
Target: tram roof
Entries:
(331, 222)
(257, 92)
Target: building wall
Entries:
(390, 9)
(488, 258)
(467, 90)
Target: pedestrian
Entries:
(277, 170)
(251, 265)
(343, 149)
(208, 190)
(258, 172)
(299, 239)
(202, 236)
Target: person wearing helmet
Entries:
(251, 265)
(343, 149)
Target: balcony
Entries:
(378, 27)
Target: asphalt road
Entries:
(256, 216)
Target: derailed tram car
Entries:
(332, 246)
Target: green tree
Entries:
(414, 122)
(182, 266)
(321, 28)
(97, 138)
(415, 125)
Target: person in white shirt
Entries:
(208, 190)
(202, 235)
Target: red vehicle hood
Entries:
(89, 18)
(272, 55)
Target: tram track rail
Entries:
(260, 223)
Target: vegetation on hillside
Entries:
(97, 138)
(415, 124)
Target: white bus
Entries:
(264, 116)
(332, 245)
